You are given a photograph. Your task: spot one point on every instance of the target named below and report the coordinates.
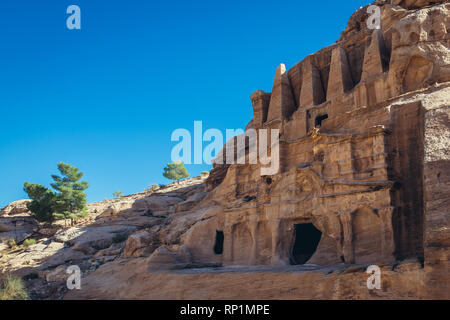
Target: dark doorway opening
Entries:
(218, 247)
(319, 120)
(306, 240)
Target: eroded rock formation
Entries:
(354, 119)
(364, 130)
(363, 179)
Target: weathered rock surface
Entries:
(364, 178)
(413, 4)
(140, 244)
(130, 227)
(353, 152)
(404, 281)
(165, 259)
(15, 208)
(17, 227)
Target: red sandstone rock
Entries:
(364, 179)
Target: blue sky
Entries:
(106, 98)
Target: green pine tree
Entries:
(70, 199)
(42, 201)
(67, 202)
(175, 171)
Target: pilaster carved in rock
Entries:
(275, 229)
(387, 233)
(253, 227)
(228, 243)
(347, 226)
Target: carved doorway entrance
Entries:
(218, 247)
(306, 240)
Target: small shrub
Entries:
(11, 242)
(175, 171)
(153, 187)
(118, 238)
(28, 242)
(12, 288)
(118, 194)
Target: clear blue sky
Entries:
(106, 98)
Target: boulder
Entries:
(17, 227)
(115, 209)
(413, 4)
(114, 250)
(97, 237)
(67, 235)
(57, 275)
(156, 205)
(165, 259)
(139, 244)
(190, 202)
(15, 208)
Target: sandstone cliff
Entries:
(364, 179)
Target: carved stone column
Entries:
(387, 233)
(347, 226)
(253, 226)
(334, 230)
(228, 244)
(275, 228)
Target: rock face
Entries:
(121, 229)
(15, 223)
(15, 208)
(252, 283)
(364, 178)
(165, 259)
(364, 140)
(139, 244)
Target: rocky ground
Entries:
(131, 248)
(132, 280)
(117, 230)
(373, 178)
